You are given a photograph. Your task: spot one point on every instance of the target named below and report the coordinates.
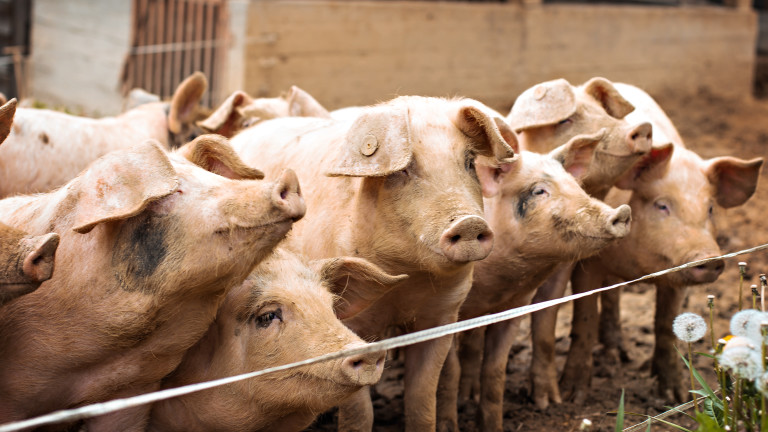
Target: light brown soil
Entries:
(711, 126)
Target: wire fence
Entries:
(102, 408)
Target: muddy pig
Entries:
(283, 313)
(25, 261)
(48, 148)
(395, 185)
(541, 218)
(677, 199)
(240, 110)
(546, 116)
(150, 244)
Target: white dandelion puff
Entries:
(753, 327)
(743, 361)
(762, 383)
(740, 320)
(689, 327)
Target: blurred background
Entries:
(86, 54)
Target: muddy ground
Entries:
(711, 126)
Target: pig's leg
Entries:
(356, 412)
(666, 363)
(543, 368)
(447, 391)
(470, 357)
(498, 341)
(577, 372)
(423, 363)
(609, 331)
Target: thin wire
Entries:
(102, 408)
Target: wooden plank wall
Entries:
(360, 52)
(171, 39)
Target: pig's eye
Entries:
(539, 191)
(662, 207)
(265, 320)
(711, 210)
(565, 121)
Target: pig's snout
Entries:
(703, 273)
(618, 224)
(640, 138)
(468, 239)
(286, 195)
(363, 369)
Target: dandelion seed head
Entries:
(743, 361)
(753, 327)
(689, 327)
(740, 320)
(762, 383)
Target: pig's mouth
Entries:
(237, 228)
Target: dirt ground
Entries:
(711, 126)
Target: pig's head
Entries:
(420, 194)
(542, 214)
(554, 112)
(7, 111)
(677, 199)
(239, 111)
(25, 261)
(286, 311)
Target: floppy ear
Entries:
(606, 94)
(542, 105)
(214, 153)
(377, 144)
(735, 179)
(493, 135)
(121, 184)
(576, 155)
(357, 282)
(185, 101)
(650, 167)
(302, 104)
(7, 111)
(491, 176)
(227, 119)
(38, 263)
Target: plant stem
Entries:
(690, 372)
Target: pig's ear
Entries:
(356, 282)
(494, 136)
(735, 179)
(38, 264)
(302, 104)
(606, 94)
(377, 144)
(186, 100)
(226, 120)
(650, 167)
(492, 175)
(214, 153)
(543, 104)
(121, 184)
(7, 111)
(576, 155)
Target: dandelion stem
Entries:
(742, 270)
(754, 297)
(690, 372)
(711, 305)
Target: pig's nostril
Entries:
(357, 363)
(481, 237)
(635, 136)
(283, 193)
(455, 239)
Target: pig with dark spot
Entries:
(25, 261)
(677, 199)
(283, 313)
(48, 148)
(546, 116)
(541, 217)
(240, 110)
(150, 244)
(396, 185)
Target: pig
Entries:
(541, 217)
(240, 110)
(150, 244)
(395, 185)
(48, 148)
(281, 314)
(677, 199)
(545, 116)
(25, 261)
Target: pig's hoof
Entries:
(543, 395)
